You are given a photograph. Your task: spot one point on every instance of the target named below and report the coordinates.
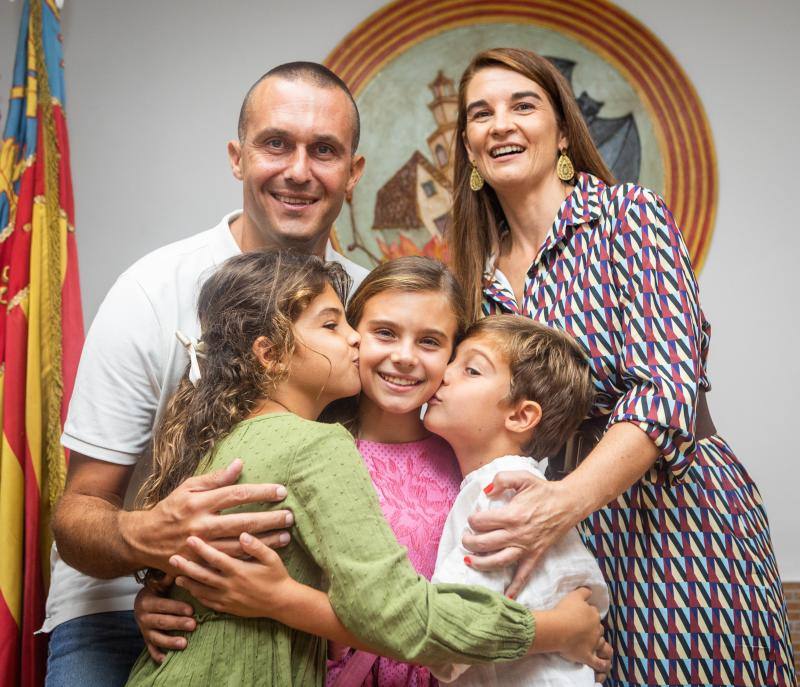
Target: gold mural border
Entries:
(676, 112)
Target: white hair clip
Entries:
(196, 349)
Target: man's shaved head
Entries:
(310, 72)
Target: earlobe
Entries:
(235, 158)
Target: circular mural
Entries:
(403, 64)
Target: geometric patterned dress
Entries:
(695, 594)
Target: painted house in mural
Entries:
(417, 199)
(412, 209)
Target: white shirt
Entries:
(130, 365)
(565, 566)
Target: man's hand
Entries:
(157, 616)
(94, 535)
(193, 510)
(252, 589)
(520, 532)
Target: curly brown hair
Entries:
(261, 293)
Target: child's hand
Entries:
(605, 652)
(573, 630)
(584, 637)
(254, 589)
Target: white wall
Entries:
(153, 92)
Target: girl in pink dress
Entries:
(410, 313)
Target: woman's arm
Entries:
(620, 459)
(543, 511)
(660, 360)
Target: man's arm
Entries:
(94, 535)
(85, 518)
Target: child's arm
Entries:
(262, 588)
(373, 589)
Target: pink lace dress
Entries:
(416, 483)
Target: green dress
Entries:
(340, 536)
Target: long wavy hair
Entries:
(409, 274)
(261, 293)
(477, 216)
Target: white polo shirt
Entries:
(130, 365)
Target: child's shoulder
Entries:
(486, 473)
(283, 422)
(310, 434)
(476, 481)
(286, 436)
(285, 432)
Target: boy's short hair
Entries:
(548, 367)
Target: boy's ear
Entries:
(524, 417)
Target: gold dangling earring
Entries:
(475, 179)
(564, 167)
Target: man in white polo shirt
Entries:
(296, 158)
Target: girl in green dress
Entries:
(276, 350)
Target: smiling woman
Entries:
(661, 499)
(513, 104)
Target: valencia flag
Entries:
(41, 333)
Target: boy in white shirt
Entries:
(515, 389)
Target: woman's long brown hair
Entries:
(255, 294)
(477, 216)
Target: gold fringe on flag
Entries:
(53, 386)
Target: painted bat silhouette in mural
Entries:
(617, 138)
(412, 209)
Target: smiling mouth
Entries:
(294, 201)
(399, 381)
(503, 151)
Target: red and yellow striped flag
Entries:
(41, 333)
